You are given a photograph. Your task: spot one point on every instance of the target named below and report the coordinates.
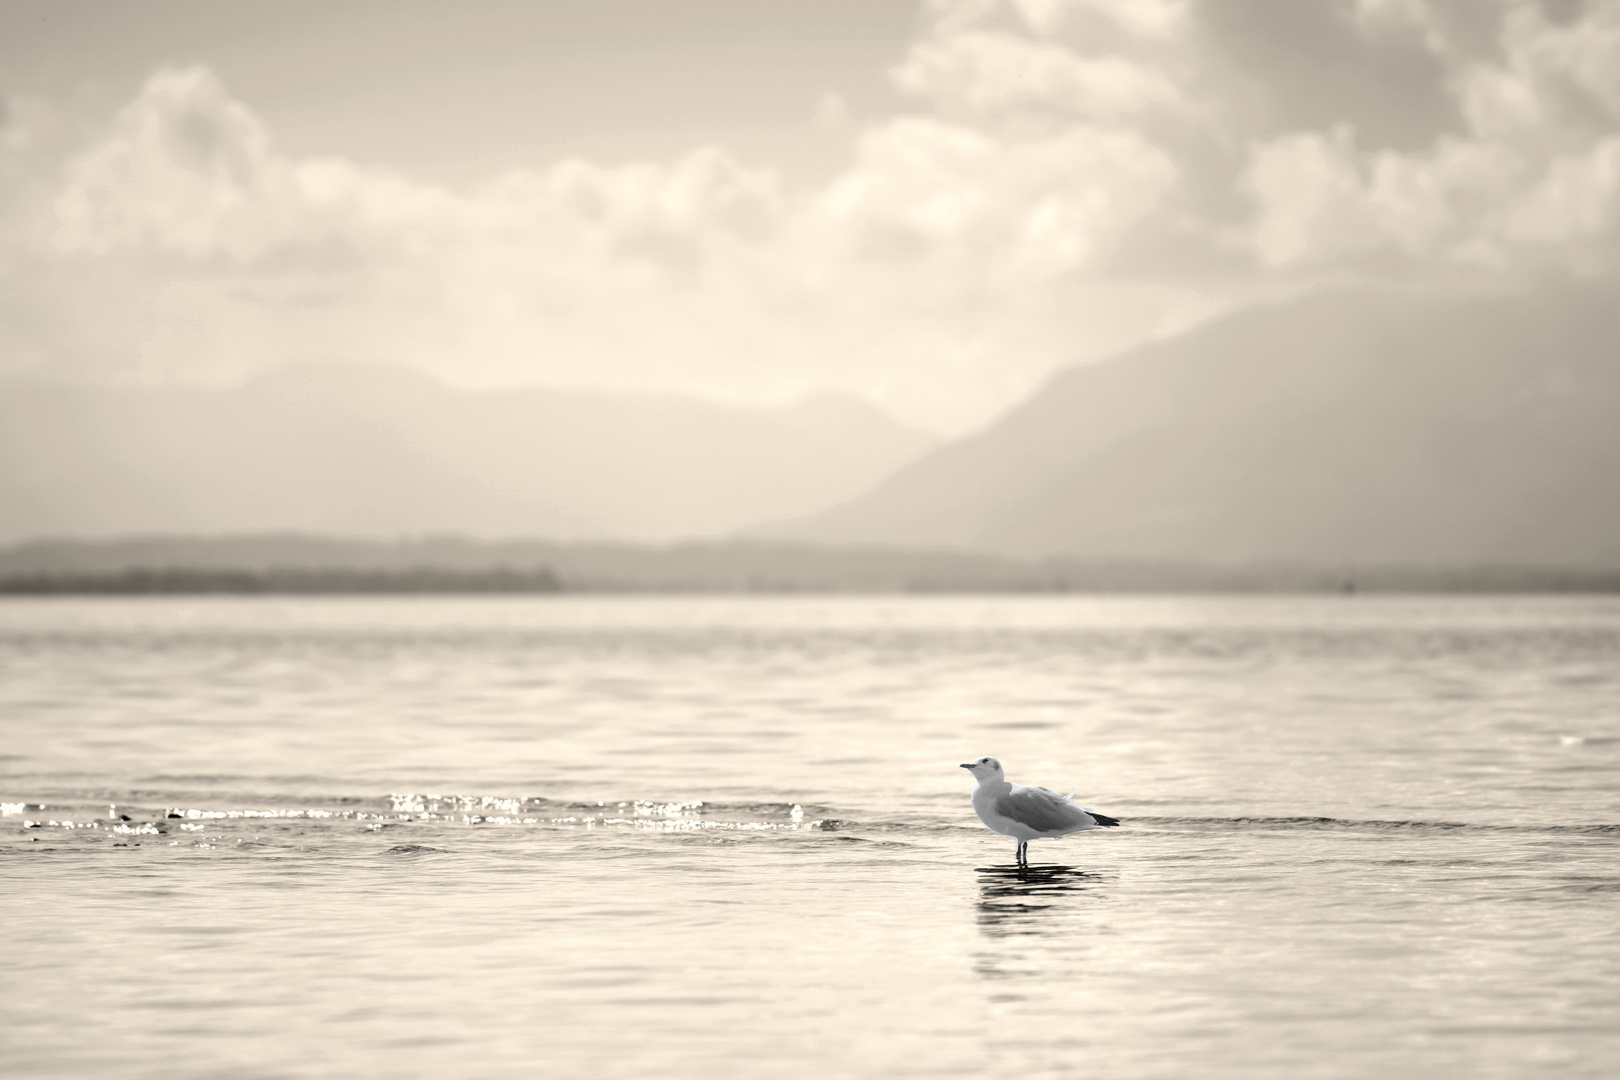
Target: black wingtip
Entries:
(1103, 819)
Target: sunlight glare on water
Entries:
(713, 837)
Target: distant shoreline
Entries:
(180, 581)
(303, 566)
(545, 582)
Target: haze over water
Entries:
(727, 836)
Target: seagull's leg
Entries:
(1022, 853)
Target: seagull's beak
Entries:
(964, 766)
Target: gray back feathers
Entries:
(1043, 810)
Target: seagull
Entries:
(1025, 813)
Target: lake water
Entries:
(727, 837)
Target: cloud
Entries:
(1009, 212)
(1069, 177)
(185, 188)
(697, 273)
(1533, 170)
(1150, 18)
(1322, 200)
(184, 167)
(1577, 198)
(996, 75)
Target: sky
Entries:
(931, 206)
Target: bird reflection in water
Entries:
(1059, 904)
(1019, 900)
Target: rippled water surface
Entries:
(706, 837)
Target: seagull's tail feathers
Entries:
(1103, 820)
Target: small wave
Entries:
(432, 804)
(450, 809)
(650, 815)
(1371, 825)
(691, 815)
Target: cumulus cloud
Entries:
(1151, 18)
(698, 273)
(1533, 168)
(1322, 200)
(187, 169)
(1577, 198)
(186, 185)
(1070, 176)
(1013, 213)
(998, 75)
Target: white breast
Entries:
(984, 804)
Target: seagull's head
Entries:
(986, 770)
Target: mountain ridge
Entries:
(371, 450)
(1354, 426)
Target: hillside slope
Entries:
(1352, 427)
(383, 452)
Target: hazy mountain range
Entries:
(1353, 428)
(377, 451)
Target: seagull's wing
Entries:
(1041, 809)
